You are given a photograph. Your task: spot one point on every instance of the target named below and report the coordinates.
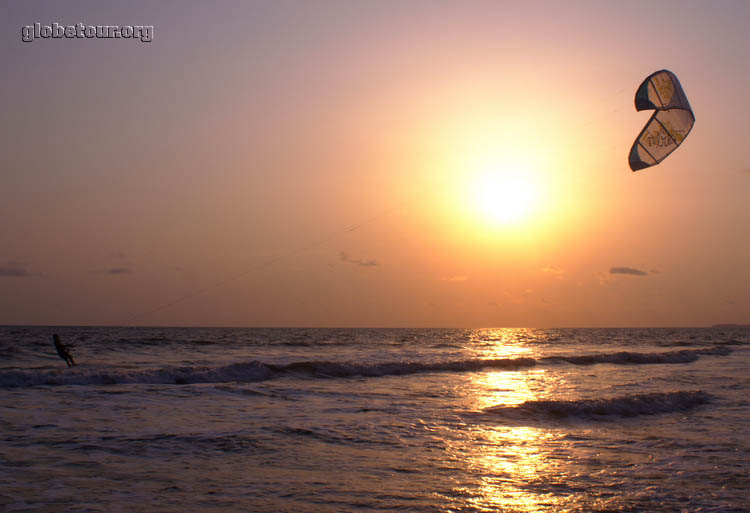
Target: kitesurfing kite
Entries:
(668, 127)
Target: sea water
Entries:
(325, 420)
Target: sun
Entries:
(504, 191)
(504, 196)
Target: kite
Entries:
(670, 124)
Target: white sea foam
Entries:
(624, 406)
(258, 371)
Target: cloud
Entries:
(361, 263)
(15, 270)
(114, 271)
(115, 263)
(518, 298)
(119, 270)
(554, 271)
(627, 270)
(459, 277)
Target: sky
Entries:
(389, 163)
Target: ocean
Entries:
(355, 420)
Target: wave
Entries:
(240, 372)
(623, 406)
(343, 370)
(628, 357)
(247, 372)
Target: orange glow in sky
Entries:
(372, 164)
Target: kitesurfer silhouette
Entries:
(62, 350)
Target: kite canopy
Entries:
(670, 124)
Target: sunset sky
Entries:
(351, 163)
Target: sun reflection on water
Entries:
(511, 463)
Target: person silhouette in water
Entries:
(62, 350)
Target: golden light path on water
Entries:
(509, 460)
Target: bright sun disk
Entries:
(504, 197)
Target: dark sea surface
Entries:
(355, 420)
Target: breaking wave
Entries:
(246, 372)
(628, 357)
(242, 372)
(623, 406)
